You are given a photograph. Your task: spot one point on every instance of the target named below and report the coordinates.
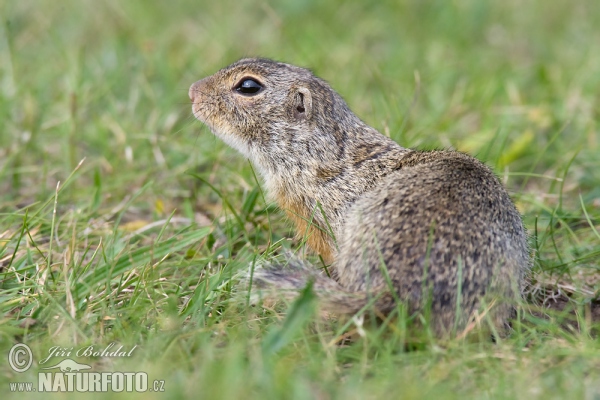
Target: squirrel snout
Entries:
(195, 89)
(192, 92)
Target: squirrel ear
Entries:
(302, 103)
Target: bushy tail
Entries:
(287, 281)
(272, 281)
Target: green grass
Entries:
(142, 241)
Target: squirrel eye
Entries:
(248, 87)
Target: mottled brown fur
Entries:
(432, 229)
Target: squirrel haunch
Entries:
(430, 228)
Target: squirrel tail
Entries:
(288, 281)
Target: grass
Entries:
(139, 243)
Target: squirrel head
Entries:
(265, 108)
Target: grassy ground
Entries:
(138, 243)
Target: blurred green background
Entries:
(501, 80)
(515, 83)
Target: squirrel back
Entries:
(430, 229)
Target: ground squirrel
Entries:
(433, 228)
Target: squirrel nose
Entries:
(192, 92)
(196, 90)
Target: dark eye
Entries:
(248, 87)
